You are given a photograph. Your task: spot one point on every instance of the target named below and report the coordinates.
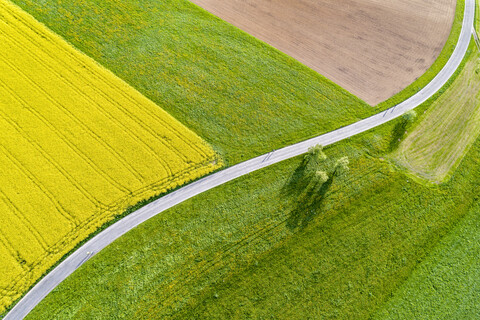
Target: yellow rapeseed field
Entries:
(77, 147)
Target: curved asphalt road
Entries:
(100, 241)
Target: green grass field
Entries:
(450, 126)
(264, 246)
(447, 284)
(241, 95)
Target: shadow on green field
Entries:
(400, 129)
(297, 182)
(308, 195)
(398, 133)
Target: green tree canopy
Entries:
(341, 166)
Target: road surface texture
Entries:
(372, 48)
(107, 236)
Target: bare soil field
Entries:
(372, 48)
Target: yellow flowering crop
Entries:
(77, 147)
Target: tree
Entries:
(316, 168)
(341, 166)
(315, 154)
(321, 176)
(409, 117)
(313, 158)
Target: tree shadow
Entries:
(298, 182)
(309, 203)
(398, 134)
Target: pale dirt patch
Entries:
(372, 48)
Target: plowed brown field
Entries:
(373, 48)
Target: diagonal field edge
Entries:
(107, 236)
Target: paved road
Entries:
(94, 245)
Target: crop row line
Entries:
(24, 220)
(80, 123)
(98, 107)
(35, 181)
(104, 81)
(64, 139)
(52, 161)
